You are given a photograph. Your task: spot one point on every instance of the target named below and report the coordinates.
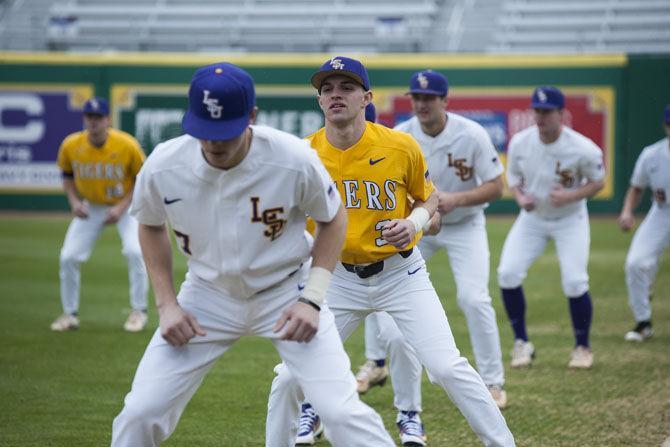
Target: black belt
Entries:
(366, 271)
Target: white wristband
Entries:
(316, 286)
(419, 217)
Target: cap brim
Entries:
(543, 106)
(319, 76)
(426, 91)
(213, 130)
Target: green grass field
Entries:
(65, 389)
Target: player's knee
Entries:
(575, 287)
(472, 300)
(636, 264)
(444, 371)
(509, 278)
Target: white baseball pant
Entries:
(528, 238)
(77, 247)
(467, 246)
(403, 290)
(168, 376)
(644, 254)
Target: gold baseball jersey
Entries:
(377, 178)
(102, 175)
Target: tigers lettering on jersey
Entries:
(464, 171)
(269, 217)
(567, 178)
(352, 198)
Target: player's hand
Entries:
(398, 232)
(626, 221)
(79, 209)
(560, 196)
(178, 326)
(525, 201)
(301, 322)
(435, 224)
(113, 215)
(446, 202)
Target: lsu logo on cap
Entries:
(423, 80)
(212, 104)
(95, 105)
(336, 64)
(541, 95)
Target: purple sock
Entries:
(515, 305)
(581, 312)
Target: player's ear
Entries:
(253, 115)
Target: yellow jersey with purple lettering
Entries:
(378, 177)
(102, 175)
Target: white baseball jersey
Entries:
(537, 167)
(460, 158)
(264, 235)
(652, 170)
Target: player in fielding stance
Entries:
(652, 170)
(376, 171)
(99, 166)
(551, 170)
(465, 167)
(236, 196)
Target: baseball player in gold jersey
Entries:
(382, 177)
(99, 165)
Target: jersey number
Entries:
(380, 241)
(183, 239)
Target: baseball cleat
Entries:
(581, 358)
(370, 375)
(499, 395)
(522, 354)
(411, 429)
(641, 332)
(137, 320)
(66, 322)
(310, 428)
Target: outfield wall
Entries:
(616, 100)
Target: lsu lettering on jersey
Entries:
(377, 177)
(102, 175)
(459, 158)
(652, 169)
(243, 229)
(570, 161)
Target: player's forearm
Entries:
(124, 203)
(430, 204)
(157, 252)
(632, 200)
(590, 189)
(70, 191)
(484, 193)
(329, 240)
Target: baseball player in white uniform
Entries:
(377, 170)
(236, 196)
(551, 170)
(652, 170)
(465, 168)
(99, 165)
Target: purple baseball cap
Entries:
(220, 99)
(547, 97)
(96, 106)
(343, 66)
(429, 82)
(667, 114)
(370, 113)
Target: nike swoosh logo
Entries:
(373, 162)
(410, 272)
(300, 287)
(170, 201)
